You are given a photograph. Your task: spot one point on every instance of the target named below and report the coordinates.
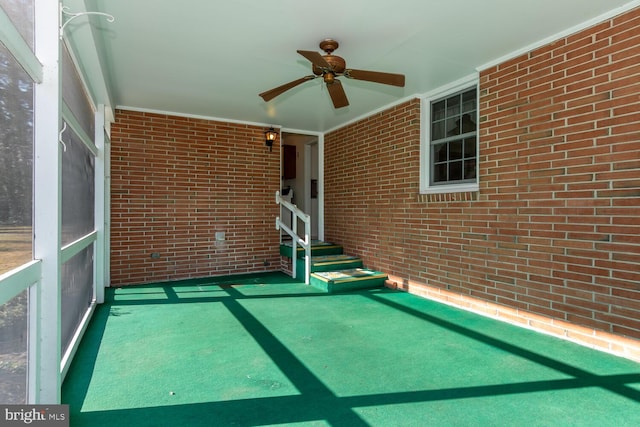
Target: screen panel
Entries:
(78, 188)
(77, 292)
(20, 12)
(14, 345)
(16, 163)
(74, 95)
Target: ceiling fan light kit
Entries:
(330, 67)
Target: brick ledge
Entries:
(595, 339)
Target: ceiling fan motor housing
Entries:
(337, 63)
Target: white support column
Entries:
(294, 246)
(47, 209)
(100, 176)
(320, 187)
(107, 205)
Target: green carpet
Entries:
(265, 350)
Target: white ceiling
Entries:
(211, 58)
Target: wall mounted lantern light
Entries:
(269, 137)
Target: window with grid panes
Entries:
(453, 139)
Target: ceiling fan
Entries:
(330, 67)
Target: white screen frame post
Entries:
(45, 382)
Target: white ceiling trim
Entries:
(195, 116)
(562, 34)
(371, 113)
(467, 80)
(301, 132)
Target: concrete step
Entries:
(328, 263)
(347, 280)
(318, 247)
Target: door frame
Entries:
(319, 139)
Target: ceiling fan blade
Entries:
(315, 58)
(336, 91)
(270, 94)
(376, 77)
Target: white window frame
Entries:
(426, 187)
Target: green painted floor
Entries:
(265, 350)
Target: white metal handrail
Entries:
(295, 239)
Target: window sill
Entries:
(452, 188)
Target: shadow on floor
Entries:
(265, 350)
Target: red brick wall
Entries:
(177, 181)
(555, 227)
